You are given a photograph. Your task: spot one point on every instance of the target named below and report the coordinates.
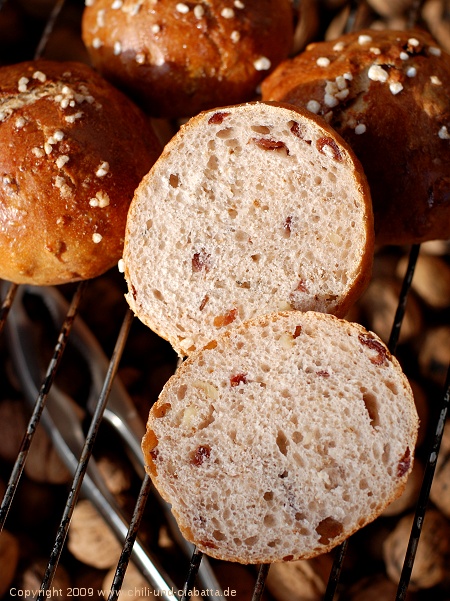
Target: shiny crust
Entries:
(68, 141)
(405, 143)
(178, 58)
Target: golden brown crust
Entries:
(398, 128)
(178, 58)
(72, 151)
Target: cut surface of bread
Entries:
(386, 93)
(250, 209)
(282, 437)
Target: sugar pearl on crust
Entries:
(39, 76)
(435, 80)
(313, 106)
(435, 51)
(227, 13)
(395, 87)
(323, 61)
(262, 64)
(199, 11)
(444, 134)
(103, 169)
(97, 238)
(377, 73)
(121, 266)
(364, 39)
(360, 129)
(182, 8)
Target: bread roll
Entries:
(282, 437)
(178, 58)
(250, 209)
(386, 93)
(72, 151)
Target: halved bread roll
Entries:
(250, 209)
(282, 437)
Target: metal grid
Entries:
(128, 532)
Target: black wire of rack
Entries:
(135, 522)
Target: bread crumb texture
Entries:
(386, 93)
(251, 209)
(282, 438)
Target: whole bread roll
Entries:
(282, 437)
(178, 58)
(386, 93)
(72, 151)
(250, 209)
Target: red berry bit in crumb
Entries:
(238, 379)
(225, 320)
(267, 144)
(203, 303)
(217, 118)
(298, 331)
(404, 464)
(201, 453)
(323, 373)
(329, 147)
(298, 131)
(208, 544)
(381, 355)
(287, 226)
(201, 261)
(161, 410)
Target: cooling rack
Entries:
(38, 31)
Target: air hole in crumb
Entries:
(225, 133)
(283, 475)
(213, 162)
(232, 213)
(297, 437)
(149, 224)
(251, 541)
(300, 516)
(386, 453)
(282, 442)
(241, 236)
(273, 543)
(174, 180)
(218, 535)
(158, 295)
(317, 180)
(269, 520)
(328, 529)
(255, 258)
(268, 496)
(392, 386)
(370, 402)
(261, 129)
(181, 392)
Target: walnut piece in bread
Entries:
(250, 209)
(72, 151)
(282, 437)
(386, 93)
(179, 58)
